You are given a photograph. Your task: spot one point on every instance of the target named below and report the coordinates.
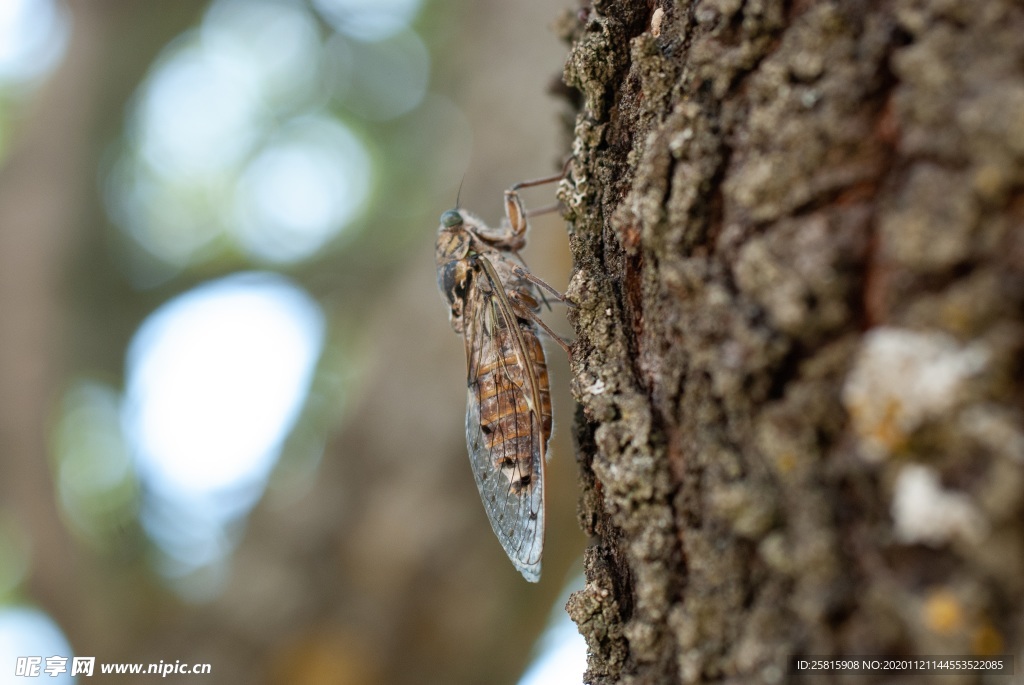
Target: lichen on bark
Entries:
(777, 210)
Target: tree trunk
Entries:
(796, 230)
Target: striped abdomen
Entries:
(506, 396)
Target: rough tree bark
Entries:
(797, 236)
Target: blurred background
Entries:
(231, 404)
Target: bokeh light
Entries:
(275, 45)
(95, 480)
(369, 19)
(306, 183)
(386, 78)
(195, 115)
(216, 378)
(231, 148)
(24, 632)
(33, 37)
(561, 652)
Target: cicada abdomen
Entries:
(502, 394)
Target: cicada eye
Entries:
(451, 218)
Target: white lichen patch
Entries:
(925, 512)
(902, 378)
(596, 388)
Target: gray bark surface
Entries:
(796, 231)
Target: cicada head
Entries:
(452, 253)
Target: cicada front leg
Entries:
(515, 213)
(516, 222)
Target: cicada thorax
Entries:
(507, 387)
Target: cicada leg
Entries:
(516, 214)
(523, 273)
(530, 213)
(554, 336)
(524, 307)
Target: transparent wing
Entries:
(504, 427)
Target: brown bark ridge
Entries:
(797, 237)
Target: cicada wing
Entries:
(504, 429)
(516, 518)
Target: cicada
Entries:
(494, 303)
